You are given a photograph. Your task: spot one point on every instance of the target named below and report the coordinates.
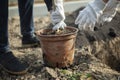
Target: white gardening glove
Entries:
(109, 11)
(57, 15)
(88, 17)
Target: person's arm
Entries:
(48, 4)
(109, 11)
(98, 11)
(56, 13)
(89, 16)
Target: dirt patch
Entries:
(97, 55)
(104, 43)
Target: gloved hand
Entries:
(109, 11)
(59, 25)
(88, 17)
(57, 15)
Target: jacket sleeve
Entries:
(48, 4)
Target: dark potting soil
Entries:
(57, 32)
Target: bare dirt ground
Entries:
(97, 54)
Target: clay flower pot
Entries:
(58, 50)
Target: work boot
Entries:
(30, 41)
(11, 64)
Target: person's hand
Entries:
(60, 25)
(57, 15)
(88, 17)
(109, 11)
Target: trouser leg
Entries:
(26, 17)
(4, 44)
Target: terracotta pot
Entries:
(58, 50)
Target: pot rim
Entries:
(69, 27)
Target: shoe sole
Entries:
(15, 73)
(30, 45)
